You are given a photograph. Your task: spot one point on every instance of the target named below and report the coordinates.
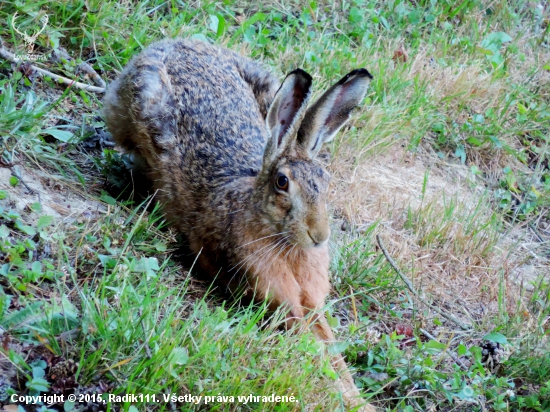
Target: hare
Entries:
(233, 157)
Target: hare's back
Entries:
(218, 124)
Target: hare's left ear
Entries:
(286, 112)
(332, 111)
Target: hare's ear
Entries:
(285, 113)
(332, 111)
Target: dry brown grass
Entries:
(446, 240)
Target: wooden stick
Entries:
(60, 55)
(392, 263)
(5, 54)
(452, 355)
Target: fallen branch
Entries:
(452, 355)
(60, 55)
(447, 316)
(536, 232)
(5, 54)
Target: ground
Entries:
(446, 161)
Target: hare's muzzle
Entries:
(319, 235)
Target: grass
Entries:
(447, 159)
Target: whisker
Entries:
(267, 254)
(265, 237)
(281, 249)
(242, 262)
(296, 251)
(257, 255)
(247, 258)
(290, 251)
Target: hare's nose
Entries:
(319, 235)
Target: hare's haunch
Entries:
(233, 156)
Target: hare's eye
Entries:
(281, 182)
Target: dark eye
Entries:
(282, 182)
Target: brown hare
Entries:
(233, 157)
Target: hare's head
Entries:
(293, 185)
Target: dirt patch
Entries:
(56, 198)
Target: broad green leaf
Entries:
(461, 153)
(160, 247)
(338, 347)
(38, 373)
(478, 118)
(68, 406)
(28, 230)
(522, 109)
(4, 232)
(496, 337)
(200, 37)
(107, 199)
(433, 344)
(496, 38)
(355, 15)
(44, 221)
(328, 371)
(474, 141)
(332, 321)
(39, 384)
(485, 51)
(179, 356)
(61, 135)
(36, 267)
(244, 27)
(214, 23)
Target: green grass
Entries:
(472, 94)
(138, 326)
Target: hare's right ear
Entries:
(286, 113)
(332, 111)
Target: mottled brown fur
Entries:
(217, 134)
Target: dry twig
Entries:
(446, 315)
(60, 54)
(452, 355)
(22, 181)
(7, 55)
